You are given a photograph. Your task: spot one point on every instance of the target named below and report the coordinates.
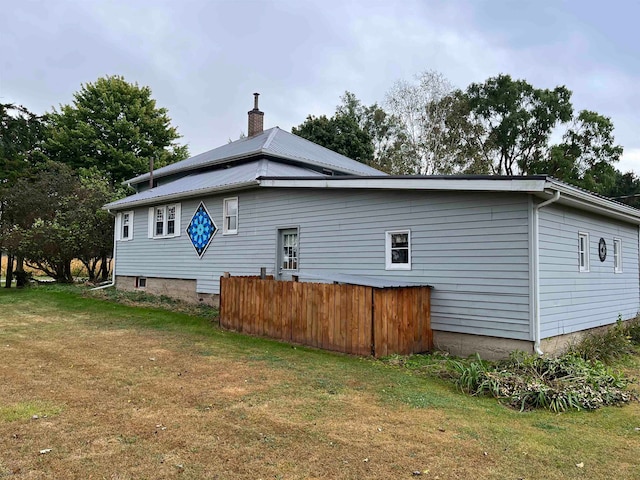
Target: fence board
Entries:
(347, 318)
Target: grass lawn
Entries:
(125, 392)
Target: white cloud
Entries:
(630, 161)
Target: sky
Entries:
(203, 59)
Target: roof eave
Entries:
(180, 195)
(390, 183)
(590, 202)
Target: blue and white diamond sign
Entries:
(201, 229)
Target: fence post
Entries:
(226, 274)
(263, 273)
(294, 278)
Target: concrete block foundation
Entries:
(489, 348)
(175, 288)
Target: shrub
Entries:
(530, 381)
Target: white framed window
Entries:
(398, 250)
(141, 282)
(164, 221)
(617, 255)
(583, 252)
(124, 226)
(230, 216)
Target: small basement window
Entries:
(617, 255)
(230, 214)
(398, 250)
(141, 282)
(583, 252)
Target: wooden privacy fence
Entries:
(354, 319)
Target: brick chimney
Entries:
(256, 118)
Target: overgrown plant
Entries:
(527, 381)
(609, 345)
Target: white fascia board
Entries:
(587, 201)
(179, 196)
(458, 184)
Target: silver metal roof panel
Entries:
(205, 182)
(274, 142)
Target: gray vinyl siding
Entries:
(471, 247)
(571, 300)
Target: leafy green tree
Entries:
(21, 136)
(626, 189)
(503, 125)
(58, 218)
(95, 240)
(340, 133)
(367, 134)
(586, 155)
(116, 127)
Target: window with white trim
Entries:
(583, 252)
(617, 255)
(164, 221)
(125, 226)
(398, 250)
(230, 216)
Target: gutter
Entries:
(113, 272)
(536, 269)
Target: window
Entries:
(171, 220)
(583, 252)
(141, 282)
(617, 255)
(230, 214)
(124, 228)
(398, 250)
(289, 239)
(164, 221)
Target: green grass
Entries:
(27, 411)
(299, 399)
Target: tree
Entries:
(502, 125)
(586, 155)
(367, 134)
(421, 113)
(21, 136)
(116, 127)
(340, 133)
(58, 218)
(95, 239)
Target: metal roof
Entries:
(234, 177)
(274, 142)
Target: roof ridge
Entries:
(266, 144)
(263, 168)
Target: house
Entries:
(515, 262)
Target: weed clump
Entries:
(526, 381)
(611, 345)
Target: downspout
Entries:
(113, 270)
(536, 269)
